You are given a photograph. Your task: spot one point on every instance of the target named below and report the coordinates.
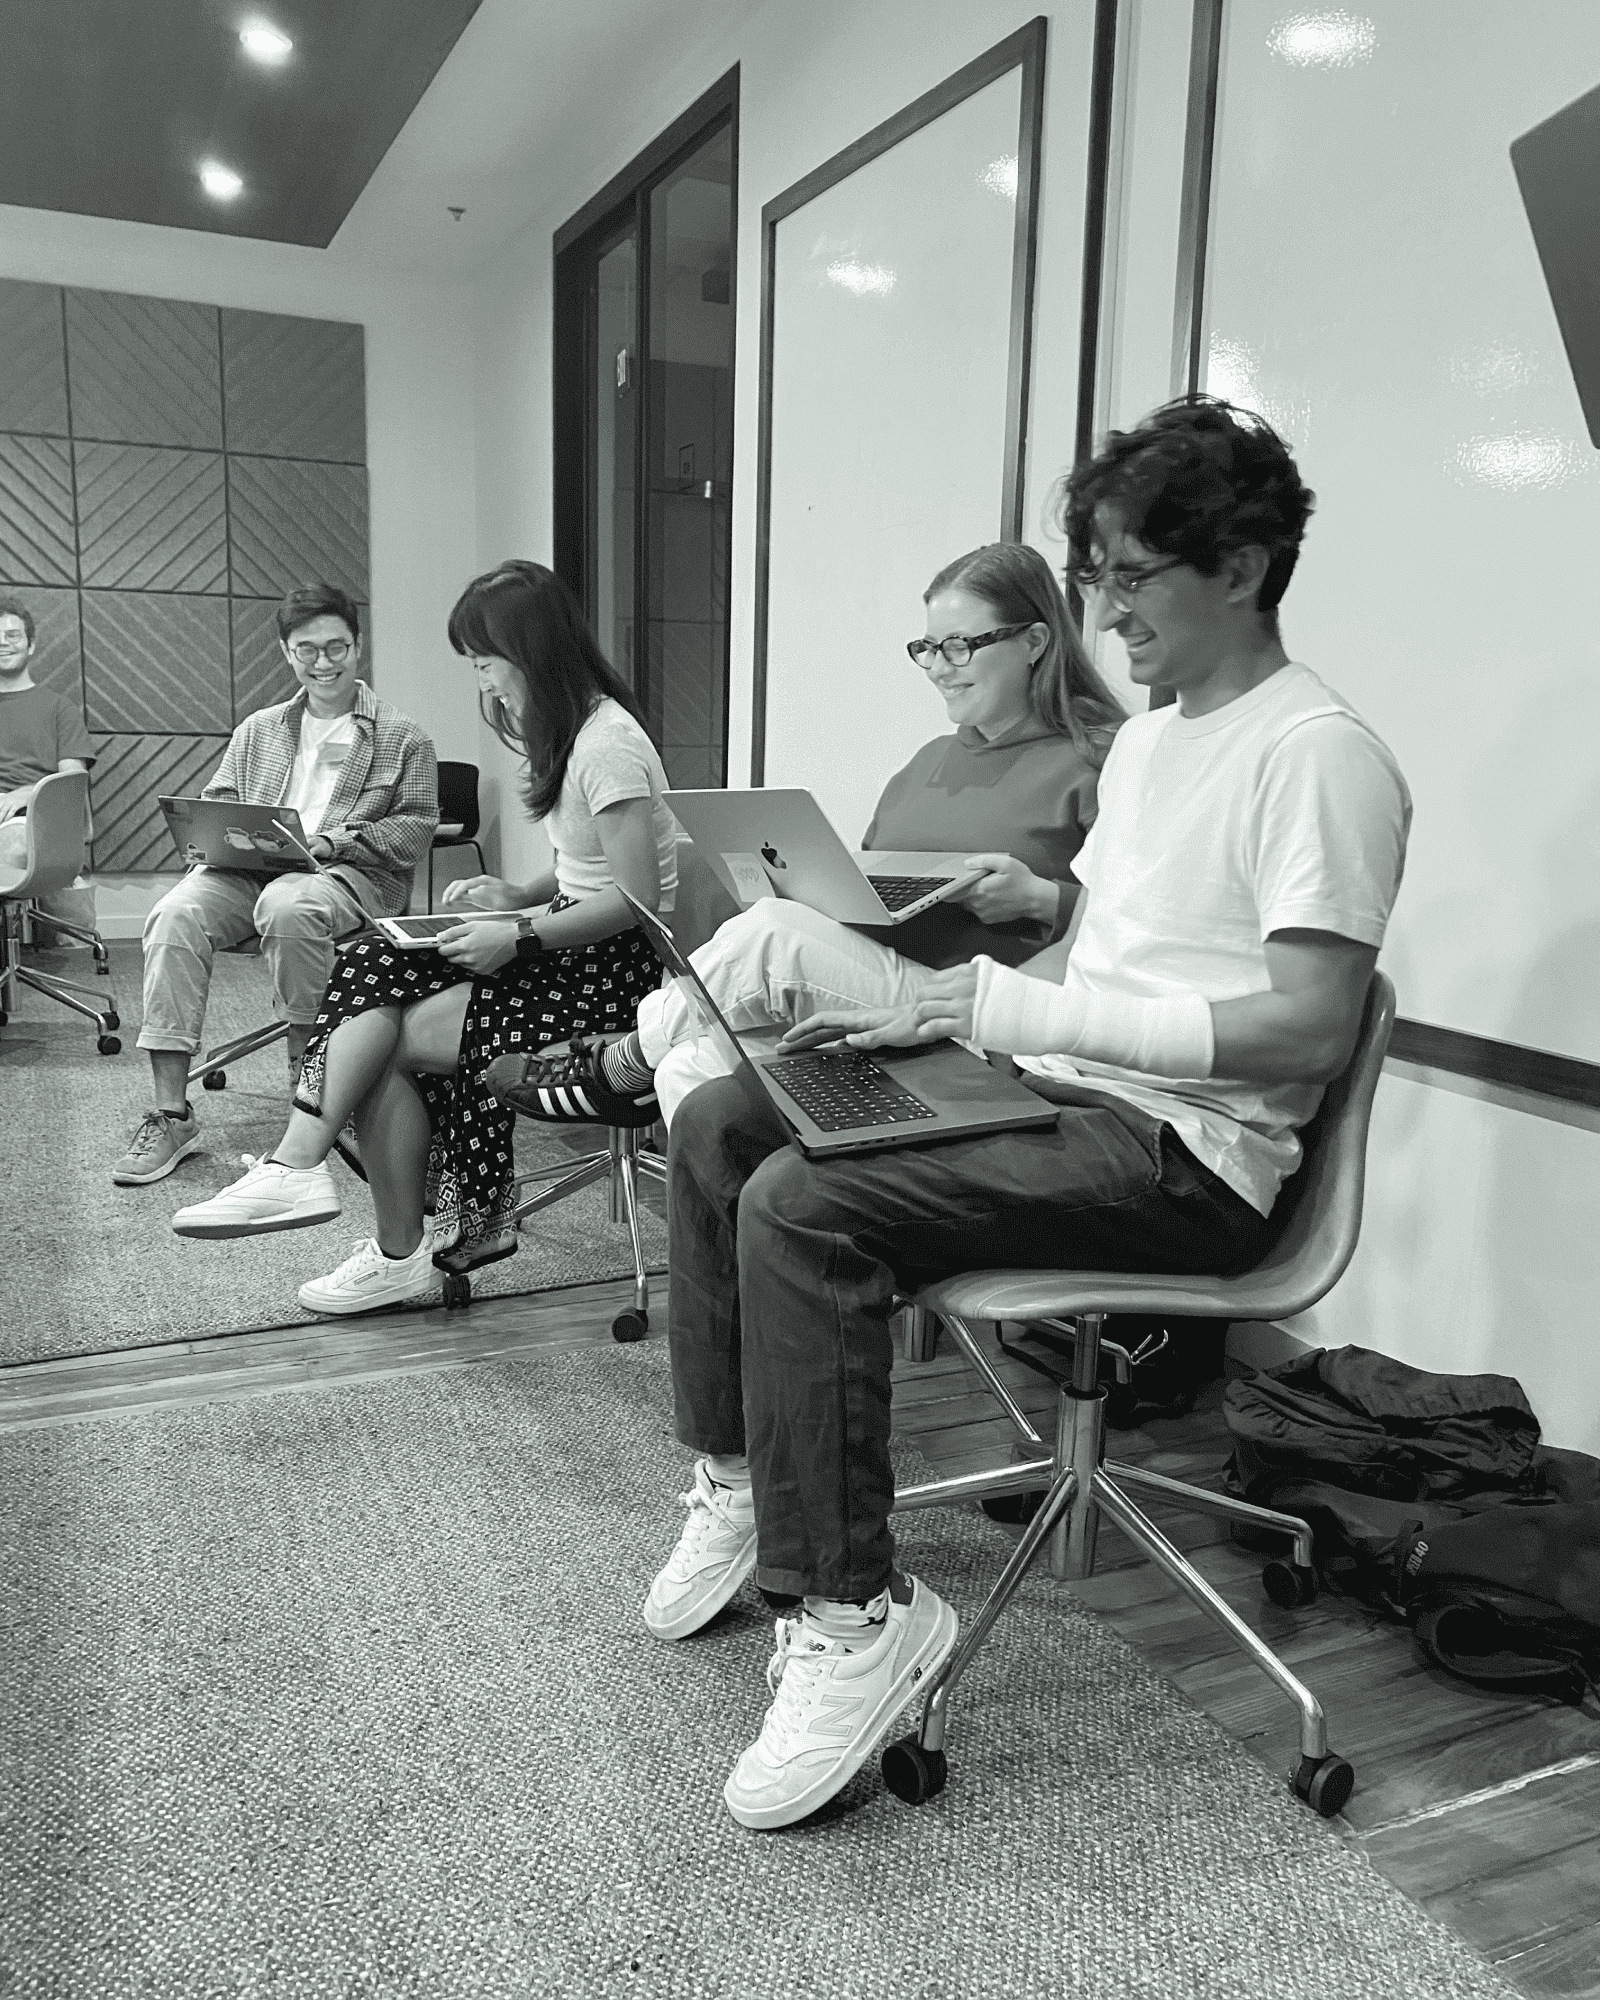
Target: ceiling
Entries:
(108, 107)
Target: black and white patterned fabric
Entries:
(592, 989)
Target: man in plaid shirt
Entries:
(364, 781)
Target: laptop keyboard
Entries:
(895, 892)
(840, 1091)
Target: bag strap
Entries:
(1472, 1640)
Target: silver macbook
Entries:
(833, 1101)
(786, 838)
(222, 833)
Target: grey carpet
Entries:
(92, 1267)
(346, 1693)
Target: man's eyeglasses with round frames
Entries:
(336, 652)
(1122, 584)
(959, 648)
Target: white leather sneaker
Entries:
(266, 1197)
(833, 1707)
(715, 1553)
(367, 1279)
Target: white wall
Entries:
(420, 424)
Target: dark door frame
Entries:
(623, 201)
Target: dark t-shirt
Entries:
(38, 727)
(1029, 794)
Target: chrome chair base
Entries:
(70, 993)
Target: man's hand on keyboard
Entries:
(944, 1013)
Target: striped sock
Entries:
(623, 1066)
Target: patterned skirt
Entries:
(591, 989)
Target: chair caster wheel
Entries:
(103, 968)
(1122, 1401)
(1324, 1783)
(108, 1045)
(913, 1773)
(1288, 1583)
(630, 1326)
(457, 1290)
(112, 1018)
(216, 1079)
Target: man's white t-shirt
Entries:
(1281, 811)
(324, 746)
(612, 760)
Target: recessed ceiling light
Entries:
(265, 43)
(220, 182)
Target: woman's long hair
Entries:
(523, 613)
(1066, 692)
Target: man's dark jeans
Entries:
(784, 1273)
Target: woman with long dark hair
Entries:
(1014, 789)
(405, 1035)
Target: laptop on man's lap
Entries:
(837, 1101)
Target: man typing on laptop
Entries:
(1238, 882)
(363, 781)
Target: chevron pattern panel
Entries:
(296, 388)
(37, 544)
(130, 774)
(291, 522)
(144, 371)
(260, 673)
(33, 379)
(118, 468)
(156, 662)
(57, 654)
(150, 519)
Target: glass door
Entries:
(644, 433)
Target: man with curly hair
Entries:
(1237, 883)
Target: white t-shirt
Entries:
(324, 746)
(1281, 811)
(612, 760)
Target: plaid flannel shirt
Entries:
(383, 811)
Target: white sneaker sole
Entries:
(702, 1610)
(160, 1173)
(304, 1215)
(784, 1812)
(343, 1305)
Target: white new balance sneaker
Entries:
(715, 1553)
(833, 1707)
(368, 1279)
(266, 1197)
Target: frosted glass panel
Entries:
(1375, 290)
(891, 345)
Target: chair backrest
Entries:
(702, 904)
(458, 796)
(1321, 1204)
(58, 835)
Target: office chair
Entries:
(1319, 1219)
(700, 906)
(212, 1074)
(57, 824)
(458, 815)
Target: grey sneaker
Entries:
(162, 1140)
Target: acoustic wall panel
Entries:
(156, 662)
(295, 388)
(37, 543)
(146, 371)
(33, 377)
(130, 774)
(114, 501)
(291, 521)
(151, 519)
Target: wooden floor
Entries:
(1483, 1809)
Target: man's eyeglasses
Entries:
(1120, 581)
(14, 644)
(959, 647)
(336, 652)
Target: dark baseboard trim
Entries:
(1507, 1064)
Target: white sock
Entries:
(854, 1625)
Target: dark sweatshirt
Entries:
(1029, 794)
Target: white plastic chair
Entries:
(57, 823)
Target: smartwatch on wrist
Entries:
(529, 942)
